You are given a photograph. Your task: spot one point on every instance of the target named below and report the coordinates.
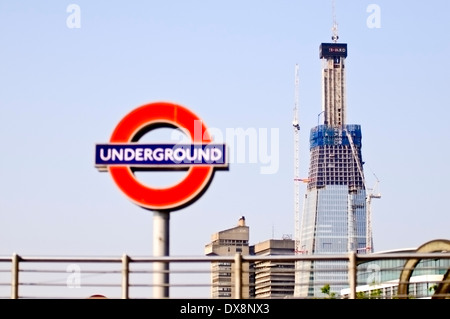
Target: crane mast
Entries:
(372, 194)
(296, 125)
(334, 29)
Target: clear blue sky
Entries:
(62, 90)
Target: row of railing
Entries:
(194, 277)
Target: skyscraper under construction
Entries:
(335, 216)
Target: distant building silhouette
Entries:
(227, 243)
(261, 279)
(274, 278)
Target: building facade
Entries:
(261, 278)
(334, 218)
(229, 242)
(274, 278)
(379, 279)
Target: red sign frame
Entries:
(142, 120)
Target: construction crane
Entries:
(370, 193)
(297, 179)
(334, 29)
(351, 244)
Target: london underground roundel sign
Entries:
(123, 155)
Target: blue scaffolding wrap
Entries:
(326, 135)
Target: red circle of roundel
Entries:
(197, 178)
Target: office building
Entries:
(334, 218)
(227, 243)
(274, 278)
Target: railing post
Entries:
(352, 274)
(238, 276)
(15, 276)
(125, 276)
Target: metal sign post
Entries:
(161, 229)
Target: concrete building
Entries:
(261, 279)
(227, 243)
(274, 278)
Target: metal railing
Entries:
(238, 276)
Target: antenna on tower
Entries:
(334, 29)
